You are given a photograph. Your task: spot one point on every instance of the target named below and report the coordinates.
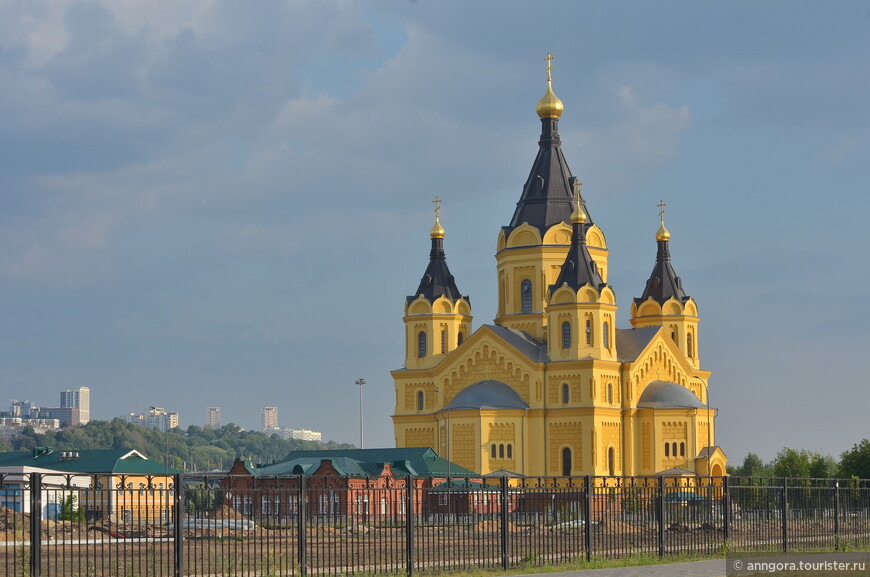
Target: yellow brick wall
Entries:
(561, 435)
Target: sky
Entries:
(220, 203)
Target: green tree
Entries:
(856, 461)
(752, 466)
(70, 511)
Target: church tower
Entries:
(437, 317)
(532, 248)
(552, 388)
(664, 302)
(581, 309)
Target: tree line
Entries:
(853, 463)
(194, 449)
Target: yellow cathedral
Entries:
(553, 388)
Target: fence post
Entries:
(726, 507)
(784, 509)
(302, 522)
(503, 498)
(178, 519)
(35, 524)
(660, 513)
(837, 514)
(409, 525)
(587, 525)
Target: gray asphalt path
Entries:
(715, 568)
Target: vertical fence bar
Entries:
(504, 523)
(837, 515)
(178, 520)
(726, 508)
(302, 522)
(409, 526)
(587, 524)
(660, 513)
(783, 505)
(35, 524)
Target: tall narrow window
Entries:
(526, 296)
(566, 462)
(611, 461)
(609, 393)
(674, 449)
(667, 449)
(501, 451)
(566, 393)
(682, 449)
(606, 335)
(492, 453)
(460, 338)
(419, 400)
(421, 344)
(690, 346)
(443, 341)
(510, 452)
(588, 332)
(566, 335)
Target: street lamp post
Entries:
(165, 440)
(361, 382)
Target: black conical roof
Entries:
(579, 268)
(548, 194)
(437, 281)
(663, 283)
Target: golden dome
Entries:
(663, 233)
(437, 230)
(549, 106)
(579, 215)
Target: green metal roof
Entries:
(364, 462)
(117, 461)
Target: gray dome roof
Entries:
(487, 395)
(667, 395)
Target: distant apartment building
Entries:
(68, 416)
(300, 434)
(156, 418)
(270, 419)
(80, 399)
(12, 427)
(160, 419)
(22, 409)
(212, 417)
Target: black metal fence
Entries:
(136, 526)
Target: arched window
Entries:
(667, 449)
(566, 335)
(689, 346)
(501, 451)
(421, 344)
(566, 462)
(493, 451)
(606, 331)
(566, 393)
(443, 341)
(510, 452)
(460, 338)
(419, 400)
(610, 393)
(682, 449)
(589, 332)
(526, 296)
(611, 461)
(674, 449)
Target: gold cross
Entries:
(549, 60)
(577, 185)
(661, 206)
(437, 202)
